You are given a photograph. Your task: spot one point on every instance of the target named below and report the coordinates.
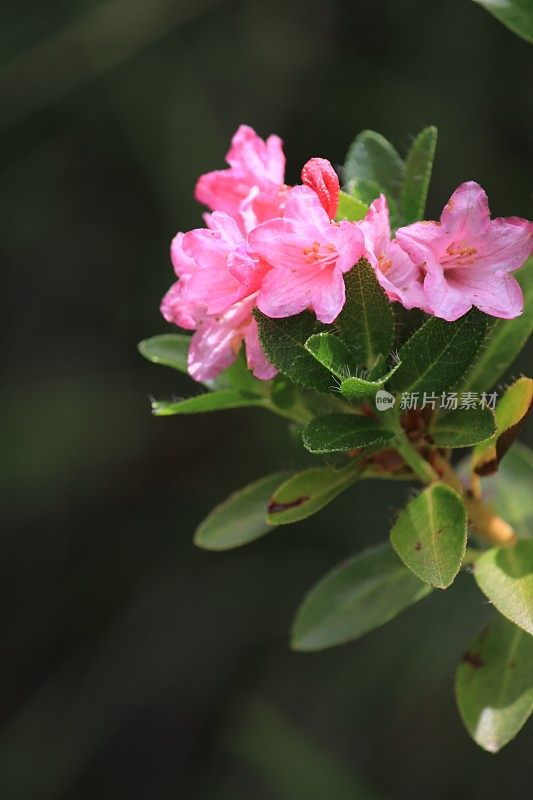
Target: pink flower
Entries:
(217, 341)
(215, 294)
(401, 279)
(319, 175)
(252, 189)
(308, 254)
(174, 307)
(467, 256)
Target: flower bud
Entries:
(320, 176)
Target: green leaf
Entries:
(505, 576)
(509, 490)
(356, 597)
(283, 340)
(515, 14)
(372, 158)
(337, 433)
(366, 322)
(357, 389)
(511, 412)
(241, 518)
(430, 535)
(505, 339)
(350, 208)
(418, 166)
(494, 684)
(209, 401)
(331, 352)
(463, 427)
(307, 492)
(367, 191)
(439, 353)
(170, 349)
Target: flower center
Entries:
(384, 263)
(326, 253)
(459, 255)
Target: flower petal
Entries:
(466, 214)
(256, 159)
(287, 292)
(213, 289)
(212, 349)
(183, 264)
(447, 299)
(497, 294)
(176, 309)
(279, 242)
(403, 281)
(505, 245)
(255, 356)
(376, 229)
(422, 241)
(222, 190)
(305, 209)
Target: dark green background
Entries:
(132, 665)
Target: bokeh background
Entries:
(131, 664)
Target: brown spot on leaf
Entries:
(474, 659)
(278, 508)
(418, 546)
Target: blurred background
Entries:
(131, 664)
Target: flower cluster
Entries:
(279, 248)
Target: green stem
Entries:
(297, 413)
(421, 468)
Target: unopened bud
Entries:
(320, 176)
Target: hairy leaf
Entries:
(511, 412)
(361, 594)
(332, 353)
(283, 340)
(170, 349)
(241, 518)
(494, 684)
(372, 158)
(307, 492)
(357, 389)
(209, 401)
(337, 433)
(430, 535)
(350, 208)
(463, 427)
(505, 576)
(366, 322)
(418, 166)
(439, 353)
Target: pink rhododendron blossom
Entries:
(320, 176)
(217, 341)
(215, 294)
(467, 257)
(401, 279)
(252, 189)
(308, 254)
(174, 307)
